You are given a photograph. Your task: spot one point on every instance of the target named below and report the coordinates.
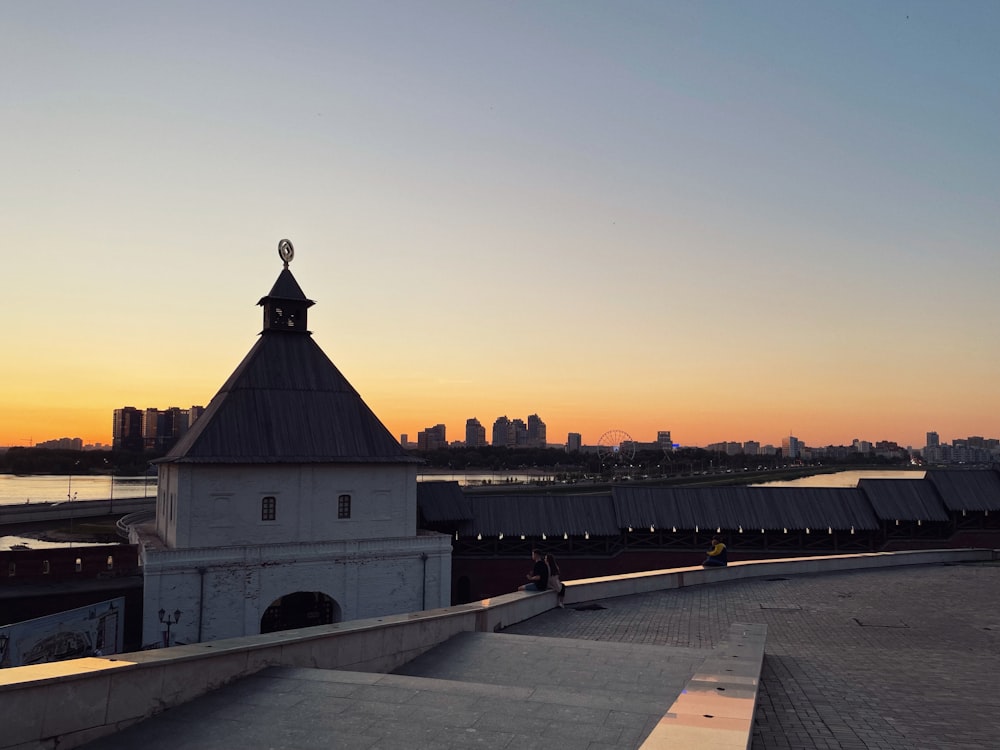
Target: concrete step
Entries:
(482, 690)
(637, 676)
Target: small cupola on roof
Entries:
(285, 306)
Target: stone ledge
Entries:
(715, 709)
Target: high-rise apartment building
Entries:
(475, 433)
(864, 447)
(65, 443)
(751, 448)
(151, 429)
(574, 441)
(510, 433)
(126, 429)
(519, 432)
(791, 447)
(536, 432)
(432, 438)
(501, 432)
(933, 440)
(193, 413)
(175, 424)
(665, 441)
(518, 436)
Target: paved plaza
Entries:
(895, 659)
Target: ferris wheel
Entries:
(616, 446)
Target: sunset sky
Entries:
(731, 220)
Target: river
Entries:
(17, 490)
(845, 478)
(44, 488)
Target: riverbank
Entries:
(85, 531)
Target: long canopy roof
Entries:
(967, 490)
(609, 513)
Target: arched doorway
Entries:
(301, 609)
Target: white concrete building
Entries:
(287, 503)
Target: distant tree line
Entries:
(649, 463)
(60, 461)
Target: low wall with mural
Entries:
(68, 703)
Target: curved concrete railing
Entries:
(72, 702)
(140, 516)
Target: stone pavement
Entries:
(896, 659)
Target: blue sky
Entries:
(731, 220)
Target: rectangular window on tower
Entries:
(344, 506)
(268, 508)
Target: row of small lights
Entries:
(652, 529)
(718, 530)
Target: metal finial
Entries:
(285, 251)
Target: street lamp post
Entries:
(111, 500)
(70, 497)
(168, 620)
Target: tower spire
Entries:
(286, 252)
(285, 305)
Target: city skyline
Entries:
(730, 221)
(167, 418)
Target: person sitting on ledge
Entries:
(538, 578)
(717, 557)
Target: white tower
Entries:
(287, 503)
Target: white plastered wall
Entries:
(223, 592)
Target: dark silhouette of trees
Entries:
(59, 461)
(648, 463)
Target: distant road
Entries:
(46, 512)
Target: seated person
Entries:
(717, 556)
(538, 578)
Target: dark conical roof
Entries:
(287, 403)
(286, 287)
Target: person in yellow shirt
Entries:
(717, 556)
